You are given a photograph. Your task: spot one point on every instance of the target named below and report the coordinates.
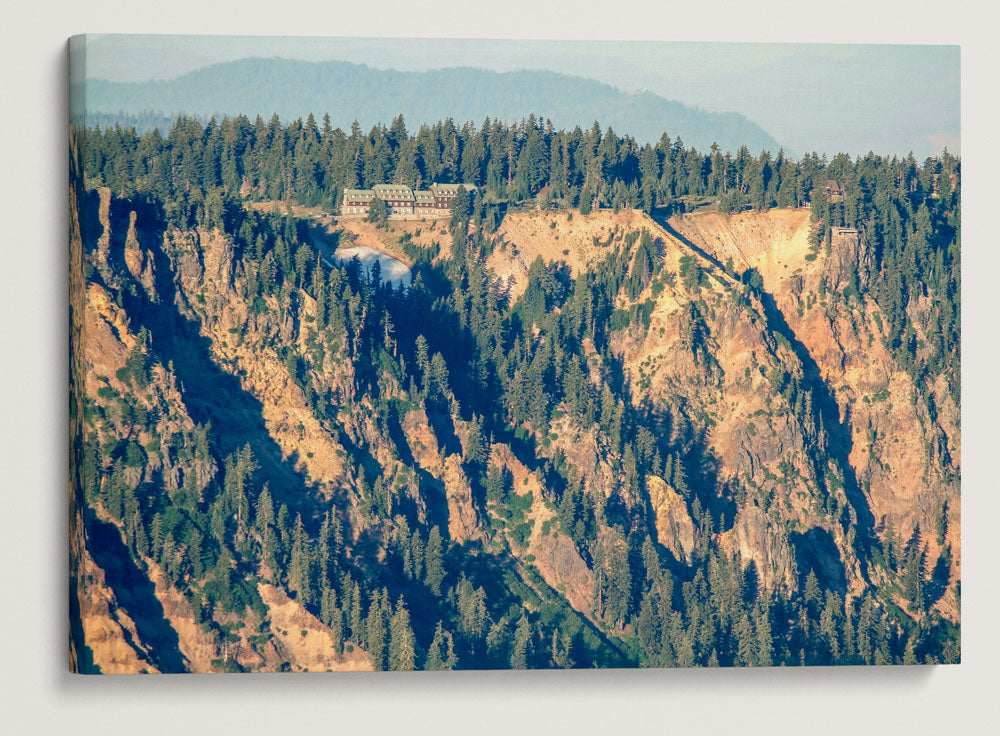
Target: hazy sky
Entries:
(853, 98)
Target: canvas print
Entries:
(417, 354)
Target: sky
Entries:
(890, 99)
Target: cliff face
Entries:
(899, 447)
(674, 527)
(817, 439)
(180, 294)
(580, 241)
(713, 358)
(811, 442)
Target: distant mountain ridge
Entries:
(351, 92)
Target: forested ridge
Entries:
(911, 230)
(294, 88)
(375, 552)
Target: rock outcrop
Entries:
(463, 521)
(674, 528)
(902, 449)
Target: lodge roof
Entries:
(843, 231)
(393, 191)
(403, 192)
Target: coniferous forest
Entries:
(661, 442)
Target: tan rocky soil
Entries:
(548, 548)
(524, 236)
(896, 448)
(109, 632)
(261, 371)
(463, 521)
(197, 646)
(674, 528)
(303, 640)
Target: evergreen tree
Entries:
(434, 564)
(375, 629)
(521, 649)
(378, 212)
(402, 655)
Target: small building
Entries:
(423, 203)
(402, 201)
(444, 193)
(357, 201)
(398, 198)
(833, 190)
(843, 231)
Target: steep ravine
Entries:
(903, 453)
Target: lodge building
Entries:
(402, 201)
(833, 190)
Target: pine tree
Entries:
(476, 451)
(264, 521)
(913, 578)
(377, 211)
(745, 644)
(196, 552)
(521, 648)
(889, 543)
(375, 628)
(441, 653)
(417, 554)
(765, 641)
(328, 606)
(434, 565)
(471, 608)
(495, 486)
(941, 523)
(402, 655)
(561, 643)
(156, 536)
(299, 570)
(356, 620)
